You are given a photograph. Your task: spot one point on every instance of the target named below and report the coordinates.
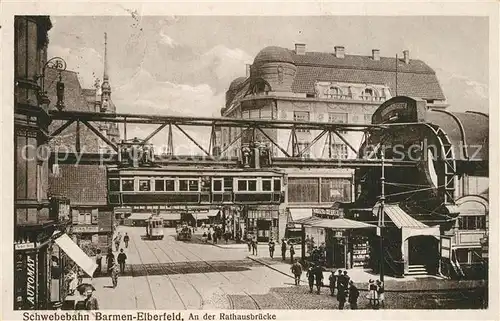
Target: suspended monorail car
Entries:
(134, 186)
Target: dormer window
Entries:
(334, 93)
(370, 94)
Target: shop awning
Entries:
(139, 216)
(400, 218)
(300, 213)
(76, 254)
(170, 216)
(307, 220)
(341, 224)
(213, 212)
(201, 216)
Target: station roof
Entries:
(468, 132)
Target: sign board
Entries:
(86, 229)
(31, 281)
(24, 246)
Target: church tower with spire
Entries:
(110, 130)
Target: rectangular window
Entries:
(169, 185)
(127, 185)
(252, 185)
(338, 118)
(159, 185)
(301, 116)
(95, 216)
(228, 184)
(335, 189)
(303, 190)
(472, 222)
(462, 255)
(277, 185)
(114, 185)
(194, 186)
(266, 185)
(144, 185)
(183, 185)
(242, 185)
(217, 185)
(339, 151)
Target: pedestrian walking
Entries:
(126, 239)
(110, 260)
(292, 252)
(340, 282)
(117, 242)
(254, 246)
(296, 269)
(90, 301)
(271, 248)
(310, 277)
(341, 297)
(353, 296)
(122, 257)
(209, 236)
(249, 243)
(372, 293)
(318, 274)
(332, 283)
(346, 280)
(114, 275)
(98, 261)
(380, 293)
(283, 249)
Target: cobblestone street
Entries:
(170, 274)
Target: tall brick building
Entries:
(330, 87)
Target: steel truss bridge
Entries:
(249, 128)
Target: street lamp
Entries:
(381, 218)
(60, 65)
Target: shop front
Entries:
(262, 222)
(345, 245)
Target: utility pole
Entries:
(382, 214)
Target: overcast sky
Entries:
(183, 65)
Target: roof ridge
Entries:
(365, 68)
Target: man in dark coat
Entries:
(126, 239)
(318, 274)
(310, 277)
(110, 260)
(353, 296)
(341, 297)
(122, 257)
(283, 249)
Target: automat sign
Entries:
(31, 281)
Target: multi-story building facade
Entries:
(39, 218)
(331, 87)
(85, 185)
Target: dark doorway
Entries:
(424, 250)
(338, 254)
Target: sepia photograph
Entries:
(249, 162)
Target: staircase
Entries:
(417, 269)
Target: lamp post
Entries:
(60, 65)
(381, 219)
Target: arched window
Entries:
(260, 86)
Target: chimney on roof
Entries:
(248, 66)
(376, 54)
(300, 48)
(406, 55)
(339, 51)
